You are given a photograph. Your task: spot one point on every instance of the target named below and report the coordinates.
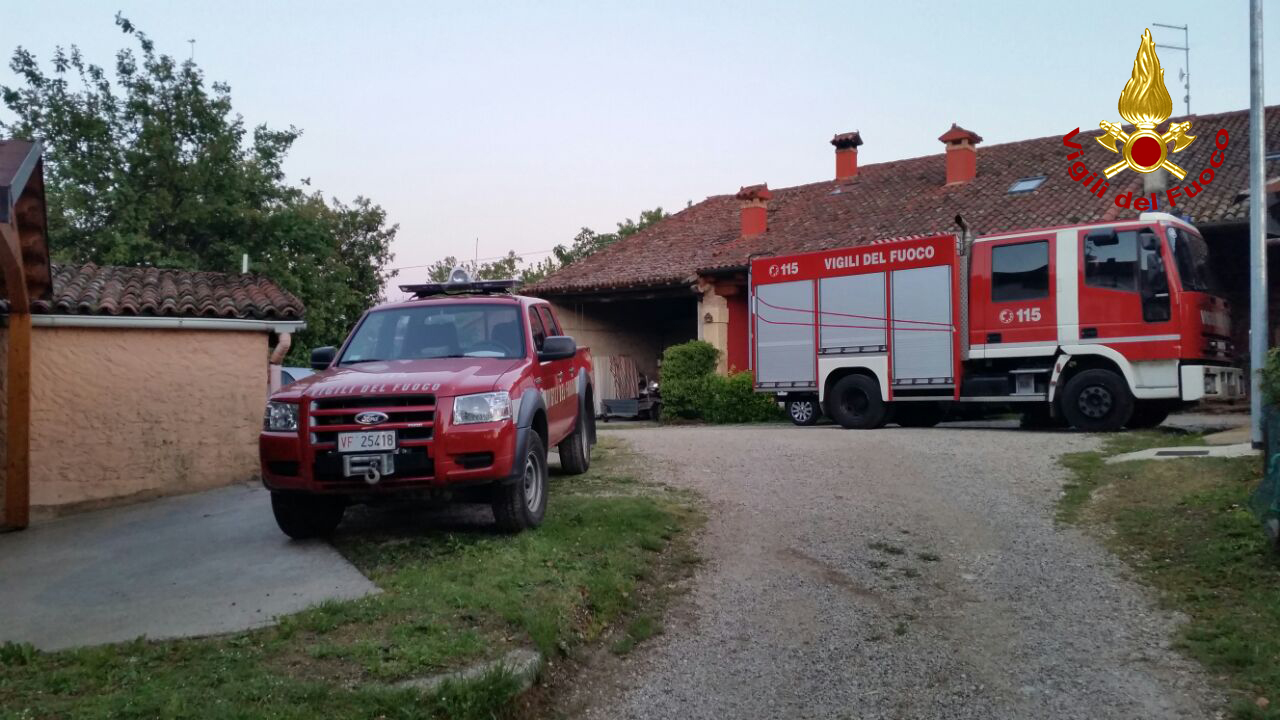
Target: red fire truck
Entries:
(1099, 326)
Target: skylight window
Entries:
(1026, 185)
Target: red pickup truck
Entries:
(457, 393)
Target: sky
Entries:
(484, 127)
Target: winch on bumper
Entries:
(426, 450)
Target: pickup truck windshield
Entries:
(421, 333)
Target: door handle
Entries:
(993, 337)
(1089, 332)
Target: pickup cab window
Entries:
(423, 333)
(549, 321)
(536, 327)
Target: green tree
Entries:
(149, 165)
(588, 241)
(507, 266)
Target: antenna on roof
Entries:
(244, 264)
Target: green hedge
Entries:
(692, 390)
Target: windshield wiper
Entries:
(361, 360)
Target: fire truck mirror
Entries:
(1149, 240)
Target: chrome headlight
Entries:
(482, 407)
(280, 417)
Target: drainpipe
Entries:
(277, 359)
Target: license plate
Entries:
(368, 441)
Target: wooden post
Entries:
(17, 482)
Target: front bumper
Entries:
(452, 456)
(1211, 382)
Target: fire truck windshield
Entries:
(1191, 255)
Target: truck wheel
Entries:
(520, 505)
(917, 415)
(803, 410)
(575, 450)
(1148, 415)
(856, 404)
(307, 516)
(1097, 401)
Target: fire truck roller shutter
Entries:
(784, 333)
(852, 313)
(922, 330)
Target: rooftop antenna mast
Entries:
(193, 49)
(1184, 75)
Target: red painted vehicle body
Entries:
(412, 400)
(1102, 326)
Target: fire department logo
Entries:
(1145, 103)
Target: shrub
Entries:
(733, 400)
(691, 389)
(1271, 378)
(686, 371)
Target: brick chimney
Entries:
(847, 154)
(755, 211)
(962, 154)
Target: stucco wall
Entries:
(122, 413)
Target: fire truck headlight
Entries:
(280, 417)
(483, 407)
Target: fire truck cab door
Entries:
(1012, 296)
(1124, 288)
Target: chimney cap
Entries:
(755, 192)
(958, 134)
(844, 141)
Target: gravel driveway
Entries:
(894, 574)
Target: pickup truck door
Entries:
(559, 385)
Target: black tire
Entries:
(575, 450)
(307, 516)
(1148, 415)
(521, 505)
(856, 404)
(1097, 401)
(803, 411)
(917, 415)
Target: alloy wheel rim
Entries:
(802, 411)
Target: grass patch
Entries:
(1184, 525)
(450, 597)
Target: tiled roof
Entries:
(132, 291)
(909, 197)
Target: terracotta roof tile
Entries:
(908, 197)
(124, 291)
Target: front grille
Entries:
(412, 417)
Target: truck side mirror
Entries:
(322, 357)
(557, 347)
(1149, 241)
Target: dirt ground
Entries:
(892, 574)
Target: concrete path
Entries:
(1186, 451)
(200, 564)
